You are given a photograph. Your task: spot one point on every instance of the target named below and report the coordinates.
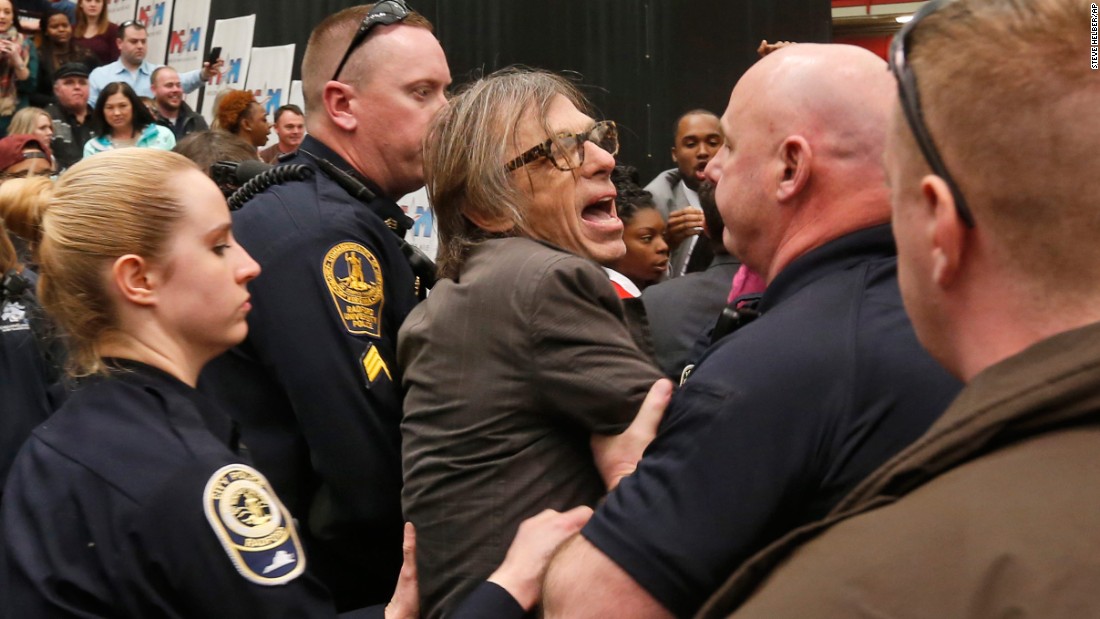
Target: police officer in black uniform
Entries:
(135, 499)
(316, 385)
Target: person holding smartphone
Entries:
(132, 67)
(18, 65)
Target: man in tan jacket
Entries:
(992, 159)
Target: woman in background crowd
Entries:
(18, 65)
(239, 113)
(646, 259)
(57, 48)
(126, 122)
(95, 32)
(32, 121)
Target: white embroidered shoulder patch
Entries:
(253, 526)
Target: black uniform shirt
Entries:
(24, 380)
(316, 386)
(781, 420)
(130, 502)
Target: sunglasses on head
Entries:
(911, 107)
(381, 14)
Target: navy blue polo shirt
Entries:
(778, 422)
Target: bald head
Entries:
(805, 127)
(836, 96)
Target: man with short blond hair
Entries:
(316, 386)
(171, 110)
(992, 513)
(290, 126)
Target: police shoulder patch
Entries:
(354, 278)
(253, 526)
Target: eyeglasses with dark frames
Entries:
(910, 106)
(566, 151)
(381, 14)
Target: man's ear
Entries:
(132, 277)
(948, 231)
(338, 99)
(795, 157)
(672, 152)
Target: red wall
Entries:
(878, 45)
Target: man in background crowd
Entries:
(74, 123)
(682, 310)
(170, 108)
(698, 137)
(132, 67)
(290, 126)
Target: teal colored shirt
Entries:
(153, 136)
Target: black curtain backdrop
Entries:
(642, 62)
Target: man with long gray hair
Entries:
(521, 353)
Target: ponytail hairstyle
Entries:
(104, 207)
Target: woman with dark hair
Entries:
(56, 49)
(126, 122)
(95, 32)
(646, 259)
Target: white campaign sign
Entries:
(269, 79)
(119, 11)
(234, 36)
(157, 17)
(187, 39)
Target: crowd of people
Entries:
(873, 303)
(68, 66)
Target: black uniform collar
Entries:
(219, 424)
(384, 206)
(318, 148)
(836, 255)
